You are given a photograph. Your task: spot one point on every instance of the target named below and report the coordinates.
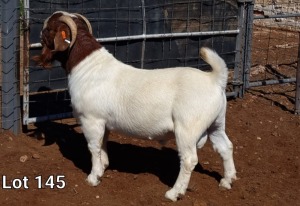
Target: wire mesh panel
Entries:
(143, 33)
(276, 48)
(275, 42)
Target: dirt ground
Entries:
(262, 127)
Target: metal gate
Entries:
(142, 33)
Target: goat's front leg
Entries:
(94, 131)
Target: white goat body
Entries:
(108, 94)
(144, 102)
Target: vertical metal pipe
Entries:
(238, 67)
(25, 64)
(244, 43)
(0, 63)
(297, 102)
(10, 56)
(248, 44)
(144, 33)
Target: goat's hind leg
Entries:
(187, 150)
(103, 155)
(201, 142)
(224, 147)
(94, 131)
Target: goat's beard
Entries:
(45, 59)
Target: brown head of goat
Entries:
(67, 38)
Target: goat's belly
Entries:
(156, 131)
(162, 138)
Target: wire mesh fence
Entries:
(275, 43)
(275, 46)
(144, 34)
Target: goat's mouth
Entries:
(44, 64)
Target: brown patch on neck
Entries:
(85, 44)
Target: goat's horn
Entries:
(46, 20)
(71, 24)
(86, 21)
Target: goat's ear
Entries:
(62, 39)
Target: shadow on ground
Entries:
(128, 158)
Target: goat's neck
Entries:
(85, 44)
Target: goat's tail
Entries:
(219, 68)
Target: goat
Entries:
(107, 94)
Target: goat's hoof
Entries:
(225, 184)
(93, 180)
(171, 195)
(235, 178)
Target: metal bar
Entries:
(26, 68)
(277, 16)
(231, 94)
(144, 33)
(48, 117)
(157, 36)
(238, 67)
(245, 1)
(116, 26)
(248, 45)
(1, 63)
(10, 55)
(213, 20)
(270, 82)
(297, 97)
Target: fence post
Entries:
(10, 63)
(243, 46)
(297, 97)
(238, 67)
(248, 43)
